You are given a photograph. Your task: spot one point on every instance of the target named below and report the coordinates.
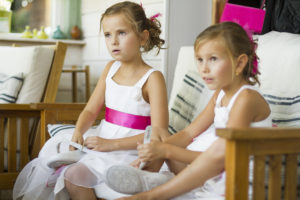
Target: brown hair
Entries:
(237, 43)
(137, 18)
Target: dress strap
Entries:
(232, 100)
(113, 69)
(219, 98)
(141, 82)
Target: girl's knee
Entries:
(217, 149)
(80, 175)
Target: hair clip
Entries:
(255, 65)
(155, 16)
(254, 62)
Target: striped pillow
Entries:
(190, 100)
(285, 110)
(55, 129)
(10, 87)
(58, 129)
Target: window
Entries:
(35, 13)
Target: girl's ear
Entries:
(241, 63)
(144, 37)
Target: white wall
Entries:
(182, 21)
(186, 19)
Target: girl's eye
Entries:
(106, 35)
(199, 60)
(213, 58)
(122, 33)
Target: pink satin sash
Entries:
(127, 120)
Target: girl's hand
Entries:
(77, 137)
(98, 144)
(152, 151)
(136, 163)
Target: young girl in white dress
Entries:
(134, 95)
(227, 62)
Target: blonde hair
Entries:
(136, 16)
(237, 42)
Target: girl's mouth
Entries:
(116, 51)
(208, 80)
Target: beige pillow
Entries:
(34, 62)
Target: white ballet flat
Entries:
(129, 180)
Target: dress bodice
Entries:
(127, 99)
(222, 112)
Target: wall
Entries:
(186, 19)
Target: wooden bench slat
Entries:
(275, 163)
(1, 144)
(259, 178)
(290, 182)
(12, 144)
(24, 156)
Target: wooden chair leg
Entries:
(87, 83)
(74, 83)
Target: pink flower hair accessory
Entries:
(255, 61)
(155, 16)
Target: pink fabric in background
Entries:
(248, 17)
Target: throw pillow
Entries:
(10, 86)
(190, 100)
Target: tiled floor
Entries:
(5, 194)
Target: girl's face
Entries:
(121, 41)
(214, 64)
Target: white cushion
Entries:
(280, 68)
(189, 93)
(34, 62)
(185, 62)
(190, 100)
(10, 86)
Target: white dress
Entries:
(36, 179)
(214, 188)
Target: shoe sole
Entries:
(124, 179)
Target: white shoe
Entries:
(64, 158)
(129, 180)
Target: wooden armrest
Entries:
(24, 107)
(58, 106)
(258, 133)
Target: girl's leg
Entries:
(79, 182)
(77, 192)
(175, 166)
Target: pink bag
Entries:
(249, 18)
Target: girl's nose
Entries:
(115, 40)
(205, 68)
